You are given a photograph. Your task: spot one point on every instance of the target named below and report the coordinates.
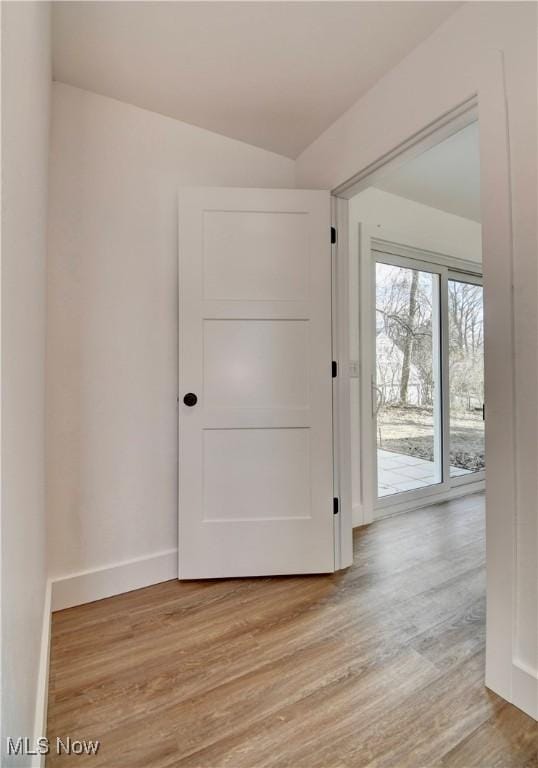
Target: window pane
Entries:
(466, 373)
(407, 359)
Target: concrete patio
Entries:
(397, 472)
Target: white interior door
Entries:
(255, 398)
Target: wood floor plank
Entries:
(509, 740)
(380, 665)
(307, 732)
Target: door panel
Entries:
(425, 430)
(256, 255)
(408, 407)
(255, 480)
(258, 363)
(466, 377)
(238, 462)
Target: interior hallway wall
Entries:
(112, 337)
(26, 85)
(439, 74)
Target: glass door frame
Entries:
(446, 268)
(479, 475)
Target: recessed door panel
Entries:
(256, 363)
(256, 255)
(256, 474)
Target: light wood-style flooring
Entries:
(381, 665)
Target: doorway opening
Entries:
(503, 672)
(417, 325)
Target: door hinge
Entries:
(334, 369)
(333, 235)
(335, 505)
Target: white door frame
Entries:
(447, 125)
(505, 674)
(343, 541)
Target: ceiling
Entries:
(445, 177)
(273, 74)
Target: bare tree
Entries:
(409, 338)
(466, 344)
(404, 310)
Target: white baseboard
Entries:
(87, 586)
(40, 716)
(525, 688)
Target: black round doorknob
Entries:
(190, 399)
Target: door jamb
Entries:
(449, 123)
(343, 541)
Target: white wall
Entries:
(405, 222)
(442, 72)
(112, 337)
(25, 133)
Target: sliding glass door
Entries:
(408, 428)
(466, 376)
(428, 384)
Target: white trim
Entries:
(343, 539)
(501, 494)
(414, 253)
(445, 126)
(525, 688)
(98, 583)
(40, 716)
(367, 436)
